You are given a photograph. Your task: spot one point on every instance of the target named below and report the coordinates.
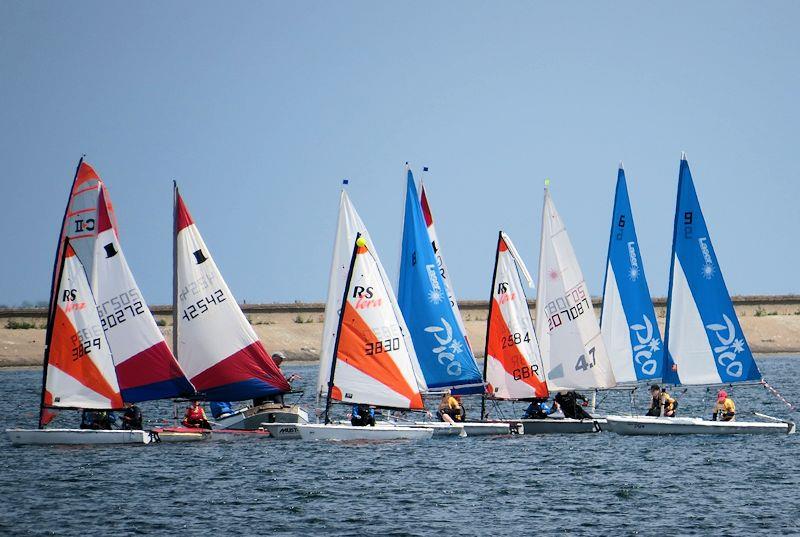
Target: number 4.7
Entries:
(582, 364)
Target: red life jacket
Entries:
(195, 414)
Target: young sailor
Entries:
(450, 408)
(539, 409)
(362, 415)
(725, 409)
(196, 417)
(567, 401)
(132, 418)
(662, 403)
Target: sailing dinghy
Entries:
(372, 362)
(214, 342)
(429, 305)
(572, 349)
(704, 343)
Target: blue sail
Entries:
(628, 320)
(444, 355)
(704, 341)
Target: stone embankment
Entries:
(771, 324)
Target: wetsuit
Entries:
(132, 418)
(362, 415)
(538, 410)
(568, 402)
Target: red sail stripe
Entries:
(154, 364)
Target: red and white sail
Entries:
(216, 346)
(573, 351)
(80, 218)
(513, 363)
(374, 361)
(146, 368)
(79, 367)
(349, 225)
(437, 249)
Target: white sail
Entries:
(349, 225)
(80, 370)
(374, 362)
(513, 362)
(146, 368)
(573, 351)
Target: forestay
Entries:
(146, 369)
(349, 225)
(704, 342)
(513, 363)
(79, 367)
(215, 345)
(628, 320)
(572, 348)
(374, 363)
(440, 343)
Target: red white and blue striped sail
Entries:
(705, 343)
(215, 344)
(79, 367)
(146, 368)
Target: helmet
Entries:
(722, 394)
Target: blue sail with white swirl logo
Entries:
(704, 340)
(442, 350)
(628, 319)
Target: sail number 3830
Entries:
(376, 347)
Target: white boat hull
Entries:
(349, 432)
(171, 435)
(257, 417)
(20, 437)
(562, 426)
(646, 425)
(283, 431)
(439, 428)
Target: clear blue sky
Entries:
(259, 109)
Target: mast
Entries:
(667, 359)
(50, 320)
(328, 398)
(175, 269)
(489, 322)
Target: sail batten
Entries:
(628, 320)
(216, 345)
(436, 328)
(704, 342)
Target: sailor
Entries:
(278, 358)
(450, 409)
(98, 420)
(662, 403)
(196, 417)
(220, 409)
(567, 401)
(539, 409)
(362, 415)
(725, 409)
(132, 417)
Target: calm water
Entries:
(599, 484)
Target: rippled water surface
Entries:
(595, 484)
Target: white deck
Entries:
(20, 437)
(349, 432)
